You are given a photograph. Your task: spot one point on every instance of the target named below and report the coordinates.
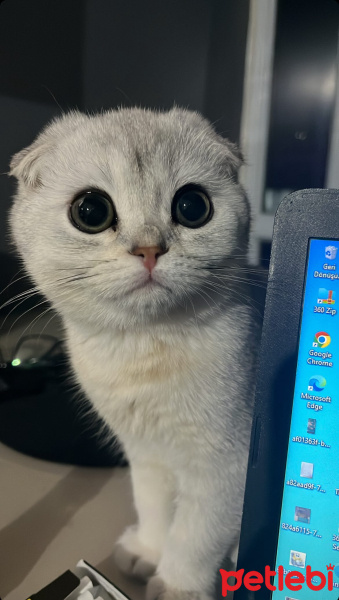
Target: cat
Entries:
(133, 224)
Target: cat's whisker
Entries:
(15, 308)
(194, 312)
(209, 265)
(68, 278)
(200, 291)
(22, 315)
(12, 325)
(241, 280)
(27, 293)
(234, 257)
(250, 301)
(213, 288)
(49, 320)
(231, 278)
(230, 275)
(15, 281)
(35, 320)
(241, 269)
(75, 277)
(235, 278)
(69, 269)
(85, 267)
(235, 291)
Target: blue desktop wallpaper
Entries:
(309, 524)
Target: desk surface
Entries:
(52, 515)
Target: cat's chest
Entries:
(142, 382)
(124, 361)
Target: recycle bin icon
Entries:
(331, 252)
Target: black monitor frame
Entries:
(301, 216)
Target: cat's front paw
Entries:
(133, 565)
(133, 558)
(157, 589)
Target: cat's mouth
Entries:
(149, 284)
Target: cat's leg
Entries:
(206, 524)
(138, 550)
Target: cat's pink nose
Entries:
(150, 255)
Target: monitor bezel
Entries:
(301, 216)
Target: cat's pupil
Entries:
(93, 211)
(191, 208)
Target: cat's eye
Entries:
(92, 211)
(191, 207)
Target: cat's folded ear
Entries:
(234, 157)
(26, 164)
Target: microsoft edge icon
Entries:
(317, 383)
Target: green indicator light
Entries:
(16, 362)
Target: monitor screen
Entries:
(309, 522)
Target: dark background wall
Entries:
(42, 45)
(303, 94)
(149, 53)
(155, 54)
(41, 56)
(226, 63)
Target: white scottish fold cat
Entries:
(133, 224)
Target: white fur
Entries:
(170, 369)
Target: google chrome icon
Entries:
(321, 339)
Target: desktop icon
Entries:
(306, 470)
(311, 425)
(297, 559)
(321, 340)
(331, 252)
(303, 515)
(326, 296)
(316, 383)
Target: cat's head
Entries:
(123, 217)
